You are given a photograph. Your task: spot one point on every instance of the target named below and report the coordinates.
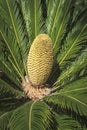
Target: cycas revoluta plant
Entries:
(43, 64)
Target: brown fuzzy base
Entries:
(35, 93)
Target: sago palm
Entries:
(43, 64)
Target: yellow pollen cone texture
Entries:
(40, 59)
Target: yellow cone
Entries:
(40, 59)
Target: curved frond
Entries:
(10, 103)
(6, 90)
(6, 69)
(10, 98)
(4, 120)
(79, 65)
(18, 34)
(65, 21)
(13, 51)
(74, 41)
(57, 17)
(72, 96)
(31, 116)
(32, 15)
(79, 9)
(66, 122)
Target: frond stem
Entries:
(61, 26)
(30, 116)
(18, 41)
(18, 69)
(72, 45)
(55, 18)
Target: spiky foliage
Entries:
(65, 21)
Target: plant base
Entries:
(35, 92)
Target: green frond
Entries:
(25, 12)
(32, 15)
(10, 104)
(6, 90)
(33, 116)
(10, 96)
(9, 69)
(74, 42)
(74, 71)
(66, 122)
(9, 72)
(79, 9)
(65, 21)
(13, 52)
(4, 120)
(57, 18)
(72, 96)
(16, 26)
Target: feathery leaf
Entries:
(66, 122)
(58, 14)
(7, 90)
(72, 96)
(4, 120)
(32, 15)
(80, 64)
(74, 41)
(6, 67)
(32, 116)
(16, 25)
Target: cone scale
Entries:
(40, 60)
(39, 66)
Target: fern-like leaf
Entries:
(9, 69)
(7, 90)
(4, 120)
(72, 96)
(32, 116)
(74, 41)
(16, 26)
(58, 15)
(32, 15)
(66, 122)
(79, 65)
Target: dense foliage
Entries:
(65, 21)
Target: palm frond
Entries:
(32, 15)
(80, 6)
(32, 116)
(17, 28)
(15, 62)
(11, 100)
(10, 103)
(72, 96)
(74, 71)
(58, 15)
(65, 21)
(66, 122)
(6, 67)
(75, 41)
(10, 96)
(25, 12)
(4, 120)
(8, 73)
(6, 90)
